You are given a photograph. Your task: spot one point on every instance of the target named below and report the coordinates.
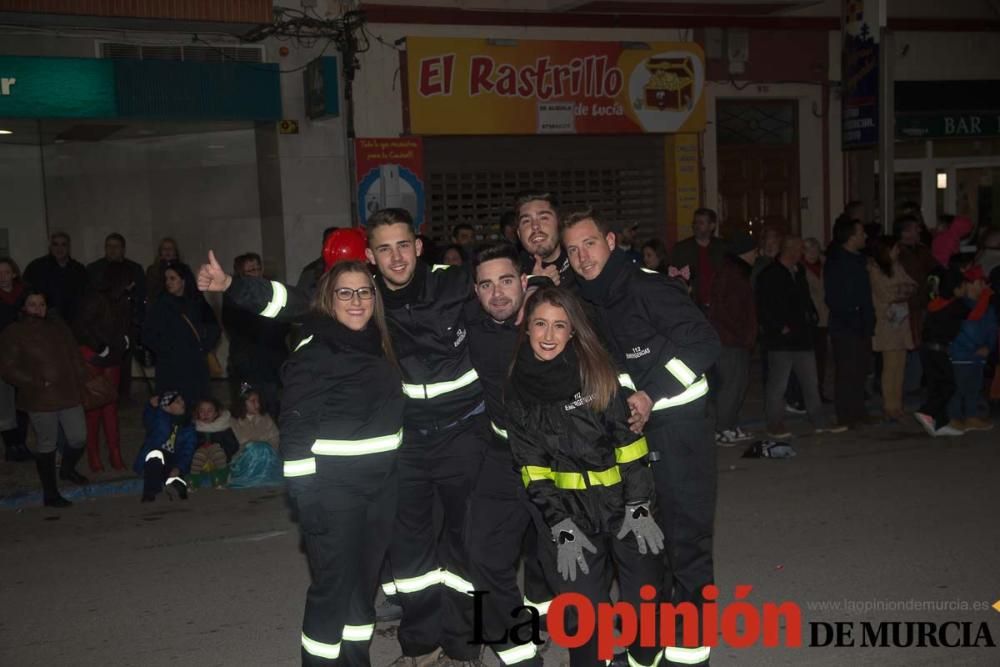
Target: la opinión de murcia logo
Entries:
(738, 624)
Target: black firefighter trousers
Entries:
(685, 476)
(346, 525)
(502, 527)
(430, 570)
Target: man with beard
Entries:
(538, 229)
(663, 343)
(444, 430)
(501, 525)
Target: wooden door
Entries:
(758, 166)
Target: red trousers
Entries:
(108, 416)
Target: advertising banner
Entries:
(860, 74)
(479, 86)
(390, 174)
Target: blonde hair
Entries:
(325, 299)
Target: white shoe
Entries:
(742, 435)
(926, 421)
(726, 439)
(948, 431)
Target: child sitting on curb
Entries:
(165, 457)
(217, 444)
(258, 462)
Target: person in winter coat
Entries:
(945, 315)
(948, 239)
(59, 277)
(252, 423)
(165, 458)
(583, 467)
(167, 252)
(918, 262)
(13, 423)
(217, 444)
(891, 292)
(813, 261)
(39, 357)
(101, 329)
(734, 318)
(976, 339)
(702, 253)
(848, 291)
(181, 329)
(788, 326)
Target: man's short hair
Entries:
(502, 250)
(461, 227)
(59, 235)
(708, 213)
(115, 236)
(389, 216)
(843, 229)
(588, 213)
(243, 259)
(535, 195)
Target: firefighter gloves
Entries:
(570, 543)
(639, 520)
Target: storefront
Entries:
(610, 124)
(145, 148)
(948, 148)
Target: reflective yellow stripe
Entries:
(389, 588)
(512, 656)
(573, 481)
(541, 607)
(625, 380)
(358, 633)
(440, 267)
(319, 649)
(456, 583)
(499, 431)
(279, 299)
(632, 452)
(692, 393)
(428, 391)
(680, 370)
(302, 343)
(300, 467)
(687, 656)
(382, 443)
(417, 584)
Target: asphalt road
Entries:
(887, 518)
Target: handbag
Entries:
(212, 361)
(98, 391)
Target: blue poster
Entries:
(859, 74)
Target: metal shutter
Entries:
(476, 179)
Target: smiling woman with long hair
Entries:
(583, 467)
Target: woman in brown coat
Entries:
(39, 356)
(891, 292)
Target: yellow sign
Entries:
(479, 86)
(683, 170)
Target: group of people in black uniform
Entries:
(544, 406)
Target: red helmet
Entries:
(346, 243)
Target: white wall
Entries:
(22, 201)
(199, 188)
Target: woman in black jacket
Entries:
(583, 467)
(341, 423)
(181, 330)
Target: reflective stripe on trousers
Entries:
(517, 654)
(351, 633)
(424, 581)
(687, 656)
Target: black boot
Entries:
(152, 484)
(46, 464)
(15, 449)
(71, 456)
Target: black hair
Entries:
(535, 195)
(461, 227)
(843, 229)
(389, 216)
(502, 250)
(115, 236)
(712, 216)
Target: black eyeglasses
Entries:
(346, 293)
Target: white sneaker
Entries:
(794, 409)
(726, 439)
(742, 435)
(926, 421)
(948, 431)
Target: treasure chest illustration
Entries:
(671, 84)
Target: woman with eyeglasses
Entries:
(341, 422)
(582, 465)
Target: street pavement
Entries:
(883, 517)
